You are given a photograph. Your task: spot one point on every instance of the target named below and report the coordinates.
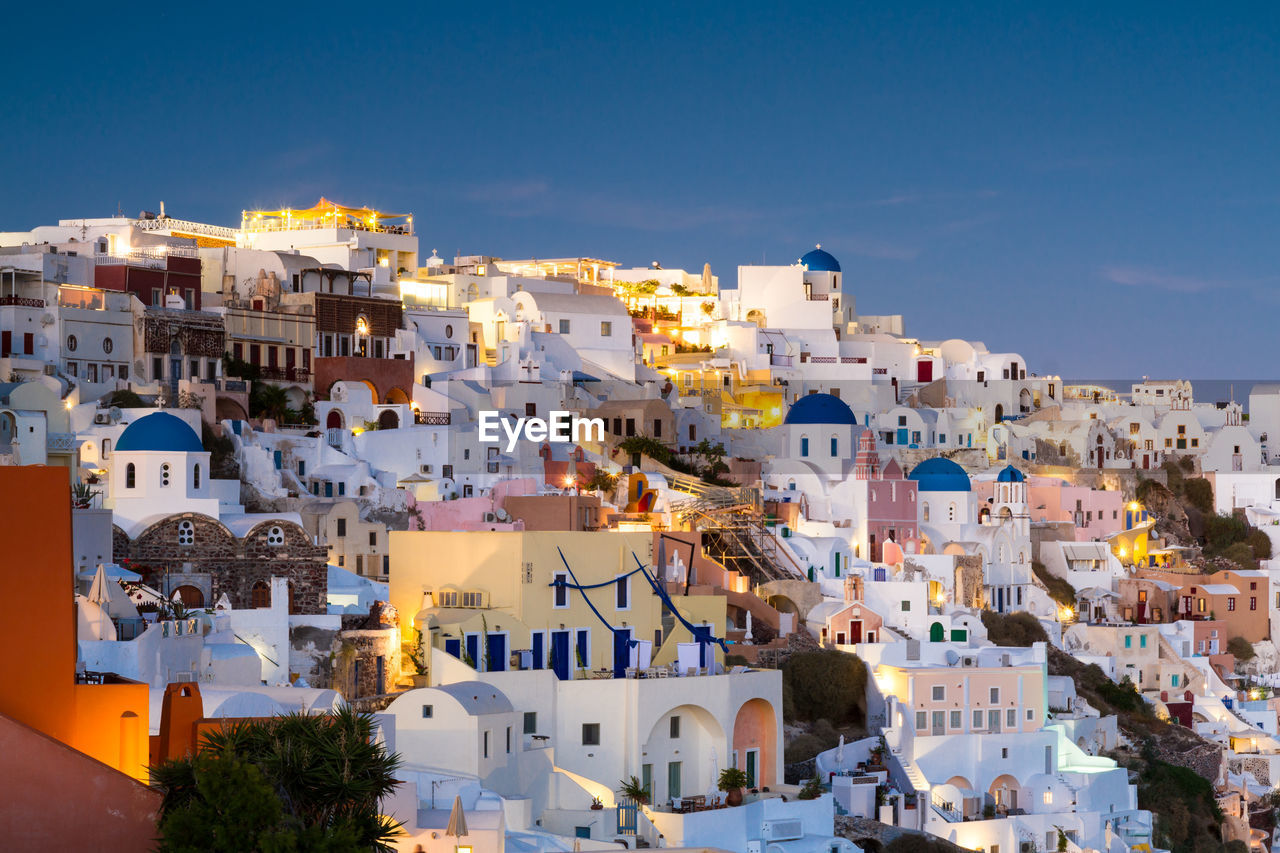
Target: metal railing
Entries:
(167, 223)
(22, 301)
(431, 418)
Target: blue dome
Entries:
(160, 431)
(820, 409)
(820, 261)
(939, 475)
(1010, 475)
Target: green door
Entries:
(646, 779)
(752, 755)
(937, 633)
(673, 779)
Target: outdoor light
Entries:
(362, 326)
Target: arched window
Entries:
(275, 536)
(130, 476)
(925, 511)
(261, 595)
(804, 445)
(835, 446)
(195, 477)
(164, 474)
(186, 533)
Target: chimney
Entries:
(162, 210)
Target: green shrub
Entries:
(826, 684)
(1260, 542)
(1241, 648)
(1013, 629)
(1199, 493)
(1059, 589)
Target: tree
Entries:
(296, 782)
(1241, 648)
(271, 401)
(1013, 629)
(1199, 494)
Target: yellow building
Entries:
(486, 596)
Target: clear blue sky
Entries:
(1094, 186)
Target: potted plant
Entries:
(633, 790)
(813, 789)
(596, 804)
(909, 800)
(732, 781)
(419, 658)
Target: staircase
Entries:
(736, 533)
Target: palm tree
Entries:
(327, 773)
(270, 401)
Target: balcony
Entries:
(284, 374)
(60, 442)
(431, 418)
(817, 297)
(21, 301)
(780, 360)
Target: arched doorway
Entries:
(261, 595)
(937, 633)
(9, 429)
(755, 315)
(333, 420)
(191, 596)
(755, 742)
(388, 419)
(1005, 791)
(677, 753)
(397, 396)
(999, 412)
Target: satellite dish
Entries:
(115, 414)
(502, 515)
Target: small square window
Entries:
(939, 693)
(428, 711)
(590, 734)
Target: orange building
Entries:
(98, 806)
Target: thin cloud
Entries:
(871, 247)
(1144, 277)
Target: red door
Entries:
(924, 371)
(855, 631)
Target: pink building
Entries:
(890, 499)
(1096, 514)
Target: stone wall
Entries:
(233, 565)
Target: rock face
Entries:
(861, 829)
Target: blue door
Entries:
(582, 657)
(328, 490)
(621, 651)
(560, 654)
(539, 650)
(497, 657)
(453, 646)
(902, 436)
(473, 650)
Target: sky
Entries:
(1093, 186)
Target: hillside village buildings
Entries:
(261, 447)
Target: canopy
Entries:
(457, 820)
(325, 208)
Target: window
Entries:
(260, 595)
(373, 539)
(606, 329)
(1128, 641)
(804, 445)
(977, 719)
(275, 536)
(1030, 715)
(590, 734)
(995, 695)
(1048, 798)
(835, 446)
(1142, 641)
(342, 527)
(195, 477)
(1231, 604)
(1253, 603)
(939, 693)
(472, 599)
(955, 719)
(564, 327)
(561, 591)
(449, 599)
(186, 533)
(72, 343)
(623, 601)
(922, 721)
(131, 480)
(906, 606)
(486, 744)
(508, 740)
(675, 726)
(1011, 717)
(427, 711)
(530, 722)
(164, 474)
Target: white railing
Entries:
(186, 225)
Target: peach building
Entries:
(1239, 597)
(74, 745)
(1096, 514)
